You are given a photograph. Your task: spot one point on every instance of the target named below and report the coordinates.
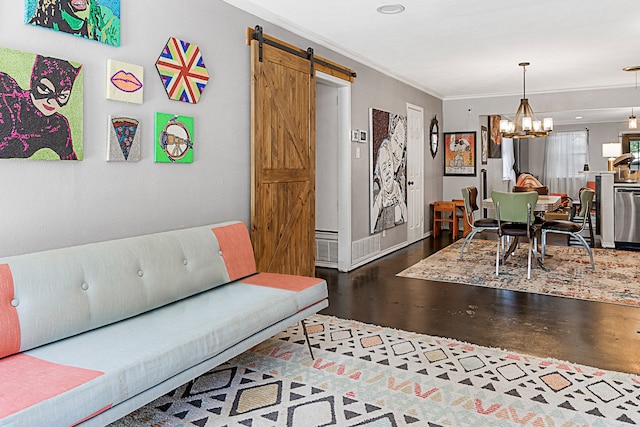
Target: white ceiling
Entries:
(470, 48)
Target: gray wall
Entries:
(60, 203)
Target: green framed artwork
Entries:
(41, 112)
(173, 138)
(97, 20)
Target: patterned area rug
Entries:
(615, 280)
(365, 375)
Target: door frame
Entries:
(344, 167)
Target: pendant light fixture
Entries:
(525, 124)
(633, 122)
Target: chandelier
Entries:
(525, 124)
(633, 122)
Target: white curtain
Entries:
(566, 153)
(508, 159)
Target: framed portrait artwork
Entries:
(484, 144)
(460, 154)
(495, 139)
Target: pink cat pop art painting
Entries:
(40, 107)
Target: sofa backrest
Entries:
(50, 295)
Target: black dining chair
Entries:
(470, 197)
(571, 228)
(515, 214)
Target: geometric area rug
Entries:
(367, 375)
(567, 272)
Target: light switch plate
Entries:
(355, 134)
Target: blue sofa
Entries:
(92, 332)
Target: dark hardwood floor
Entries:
(596, 334)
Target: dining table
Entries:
(545, 203)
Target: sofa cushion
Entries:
(59, 293)
(236, 250)
(10, 333)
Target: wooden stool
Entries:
(439, 211)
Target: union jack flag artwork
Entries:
(182, 70)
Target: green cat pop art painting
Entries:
(97, 20)
(40, 107)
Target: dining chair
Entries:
(575, 217)
(445, 212)
(570, 228)
(515, 215)
(470, 197)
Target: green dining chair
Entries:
(515, 215)
(470, 196)
(570, 228)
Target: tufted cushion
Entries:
(50, 295)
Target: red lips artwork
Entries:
(126, 82)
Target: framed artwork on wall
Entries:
(484, 135)
(495, 139)
(460, 154)
(125, 82)
(99, 21)
(41, 107)
(174, 138)
(123, 144)
(182, 70)
(388, 165)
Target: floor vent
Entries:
(365, 248)
(327, 249)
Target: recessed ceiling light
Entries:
(390, 9)
(579, 117)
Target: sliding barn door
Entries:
(282, 161)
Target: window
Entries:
(566, 153)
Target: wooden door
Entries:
(282, 161)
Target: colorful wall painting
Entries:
(460, 153)
(97, 20)
(40, 107)
(174, 138)
(124, 139)
(495, 139)
(125, 82)
(182, 70)
(388, 165)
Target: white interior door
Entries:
(415, 172)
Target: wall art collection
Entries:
(41, 97)
(388, 166)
